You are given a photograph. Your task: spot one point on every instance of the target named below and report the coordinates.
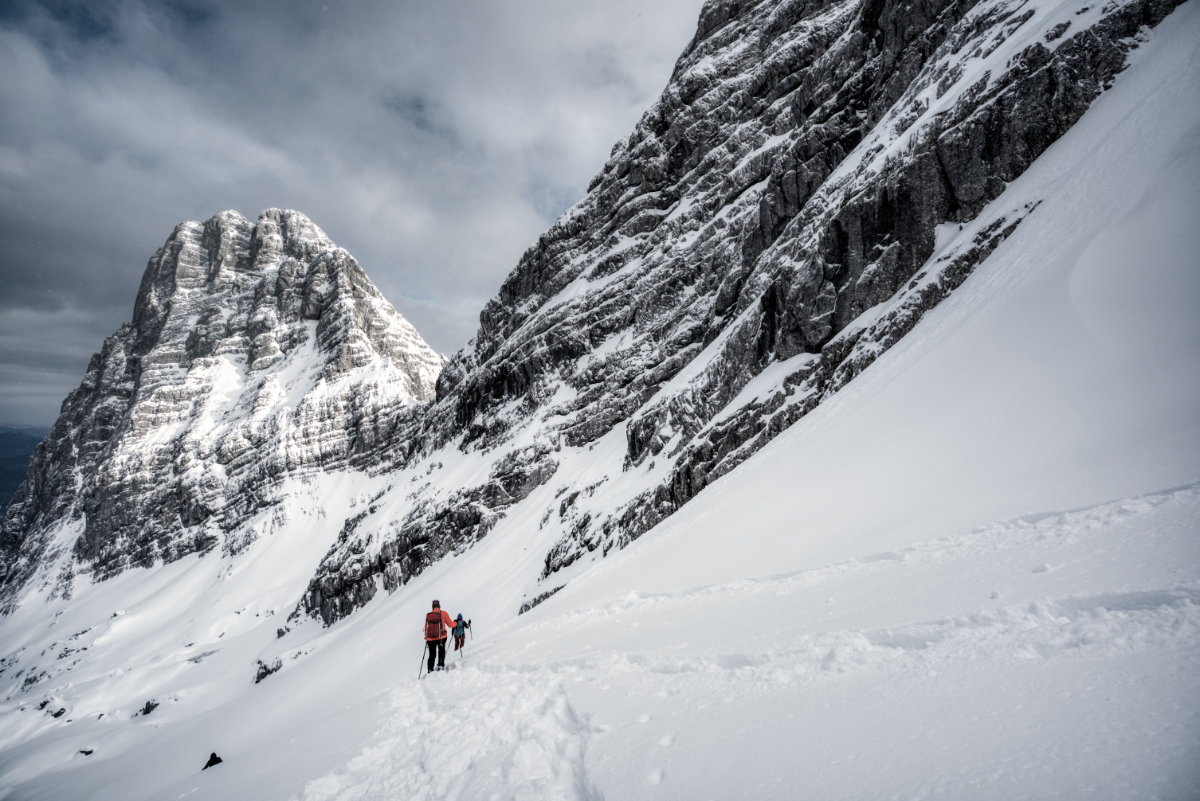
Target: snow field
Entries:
(1000, 663)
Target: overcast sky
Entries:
(433, 139)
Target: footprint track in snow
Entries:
(516, 732)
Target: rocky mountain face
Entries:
(805, 189)
(786, 211)
(257, 351)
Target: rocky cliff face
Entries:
(786, 211)
(814, 178)
(256, 351)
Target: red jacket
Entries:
(446, 622)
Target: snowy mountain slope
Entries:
(868, 606)
(995, 664)
(853, 637)
(256, 351)
(803, 192)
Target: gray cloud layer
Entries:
(433, 140)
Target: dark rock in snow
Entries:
(265, 670)
(530, 604)
(213, 759)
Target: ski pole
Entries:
(423, 652)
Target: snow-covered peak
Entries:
(257, 350)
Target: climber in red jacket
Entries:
(437, 625)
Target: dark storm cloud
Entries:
(433, 140)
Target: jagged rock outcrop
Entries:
(790, 202)
(256, 351)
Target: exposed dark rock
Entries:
(348, 578)
(530, 604)
(213, 759)
(265, 670)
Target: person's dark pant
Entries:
(437, 648)
(459, 639)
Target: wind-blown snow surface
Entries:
(928, 588)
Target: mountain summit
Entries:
(258, 351)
